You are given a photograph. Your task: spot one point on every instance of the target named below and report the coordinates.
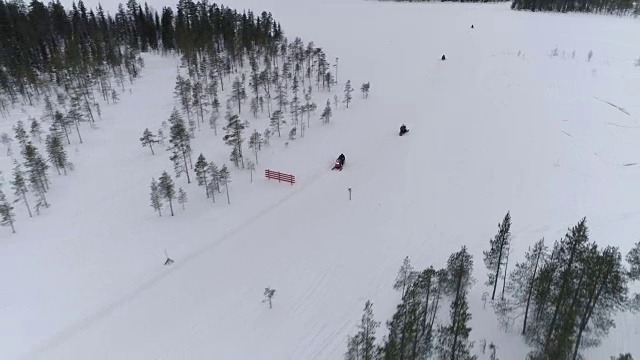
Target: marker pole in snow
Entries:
(349, 193)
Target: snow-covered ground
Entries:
(500, 125)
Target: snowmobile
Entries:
(339, 163)
(403, 129)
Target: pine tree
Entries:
(362, 345)
(180, 145)
(326, 113)
(224, 177)
(238, 93)
(214, 180)
(365, 90)
(7, 217)
(521, 285)
(156, 197)
(495, 257)
(255, 143)
(148, 139)
(233, 138)
(199, 101)
(36, 130)
(633, 258)
(277, 119)
(405, 277)
(60, 123)
(167, 189)
(19, 186)
(37, 172)
(21, 134)
(57, 153)
(182, 197)
(202, 169)
(453, 339)
(347, 93)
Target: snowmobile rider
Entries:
(341, 159)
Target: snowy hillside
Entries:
(516, 119)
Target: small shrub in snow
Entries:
(638, 62)
(269, 293)
(590, 55)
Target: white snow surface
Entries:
(500, 125)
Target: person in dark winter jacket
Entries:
(403, 129)
(341, 159)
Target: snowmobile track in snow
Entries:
(104, 311)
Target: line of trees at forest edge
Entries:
(617, 7)
(561, 298)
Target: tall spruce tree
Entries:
(453, 339)
(57, 154)
(180, 145)
(234, 138)
(167, 189)
(348, 89)
(495, 257)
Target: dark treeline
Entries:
(43, 45)
(617, 7)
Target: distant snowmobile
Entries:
(403, 129)
(339, 163)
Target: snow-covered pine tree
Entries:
(265, 80)
(266, 135)
(405, 277)
(365, 90)
(180, 145)
(326, 113)
(295, 101)
(61, 123)
(76, 115)
(292, 133)
(7, 217)
(335, 101)
(167, 189)
(224, 176)
(37, 172)
(255, 143)
(36, 130)
(238, 93)
(348, 89)
(255, 106)
(281, 96)
(21, 134)
(19, 186)
(56, 152)
(277, 120)
(233, 138)
(202, 170)
(520, 288)
(114, 96)
(183, 93)
(362, 345)
(453, 339)
(495, 257)
(214, 180)
(182, 197)
(199, 101)
(633, 258)
(148, 139)
(156, 197)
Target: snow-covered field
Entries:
(500, 125)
